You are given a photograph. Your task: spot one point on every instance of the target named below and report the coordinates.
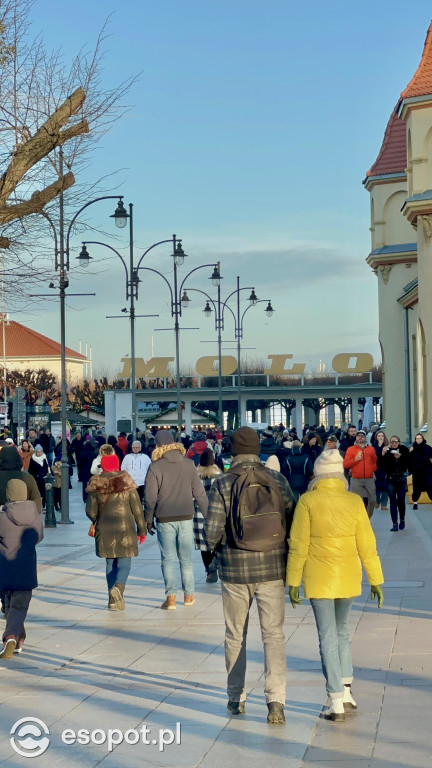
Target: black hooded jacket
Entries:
(11, 469)
(421, 464)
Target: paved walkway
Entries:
(87, 668)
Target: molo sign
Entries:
(157, 367)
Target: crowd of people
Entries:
(265, 511)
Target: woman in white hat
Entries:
(330, 539)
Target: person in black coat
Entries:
(421, 468)
(38, 467)
(297, 467)
(348, 439)
(87, 455)
(396, 460)
(268, 445)
(311, 447)
(20, 530)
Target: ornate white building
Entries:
(400, 187)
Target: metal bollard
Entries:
(50, 518)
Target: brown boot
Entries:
(189, 599)
(115, 600)
(169, 604)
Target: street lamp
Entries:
(61, 263)
(132, 282)
(179, 300)
(219, 309)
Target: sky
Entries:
(250, 130)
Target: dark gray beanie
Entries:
(164, 437)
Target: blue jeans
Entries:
(117, 570)
(176, 542)
(331, 618)
(382, 498)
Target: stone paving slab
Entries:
(87, 668)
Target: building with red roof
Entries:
(27, 349)
(400, 187)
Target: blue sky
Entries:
(250, 130)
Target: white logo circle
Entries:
(22, 737)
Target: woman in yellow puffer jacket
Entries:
(331, 537)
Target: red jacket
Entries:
(367, 464)
(122, 443)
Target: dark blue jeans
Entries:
(397, 490)
(117, 570)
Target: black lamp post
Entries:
(121, 217)
(179, 301)
(219, 310)
(62, 265)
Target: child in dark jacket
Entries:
(20, 530)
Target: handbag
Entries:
(92, 529)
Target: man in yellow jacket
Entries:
(331, 537)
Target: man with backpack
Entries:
(247, 525)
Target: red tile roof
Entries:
(421, 83)
(24, 342)
(392, 157)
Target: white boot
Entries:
(335, 710)
(348, 700)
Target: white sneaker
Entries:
(348, 700)
(335, 711)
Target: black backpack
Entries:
(257, 511)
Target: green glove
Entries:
(377, 592)
(294, 596)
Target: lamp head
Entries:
(207, 310)
(179, 254)
(253, 298)
(216, 276)
(185, 300)
(269, 309)
(120, 215)
(84, 256)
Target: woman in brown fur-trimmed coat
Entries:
(114, 506)
(207, 471)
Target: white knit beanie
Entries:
(273, 463)
(328, 464)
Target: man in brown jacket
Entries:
(172, 484)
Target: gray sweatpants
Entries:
(365, 487)
(237, 600)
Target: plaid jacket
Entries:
(236, 565)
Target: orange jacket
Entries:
(367, 464)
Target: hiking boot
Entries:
(189, 599)
(236, 707)
(395, 528)
(402, 525)
(115, 599)
(276, 714)
(212, 576)
(348, 700)
(9, 645)
(169, 604)
(415, 505)
(335, 711)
